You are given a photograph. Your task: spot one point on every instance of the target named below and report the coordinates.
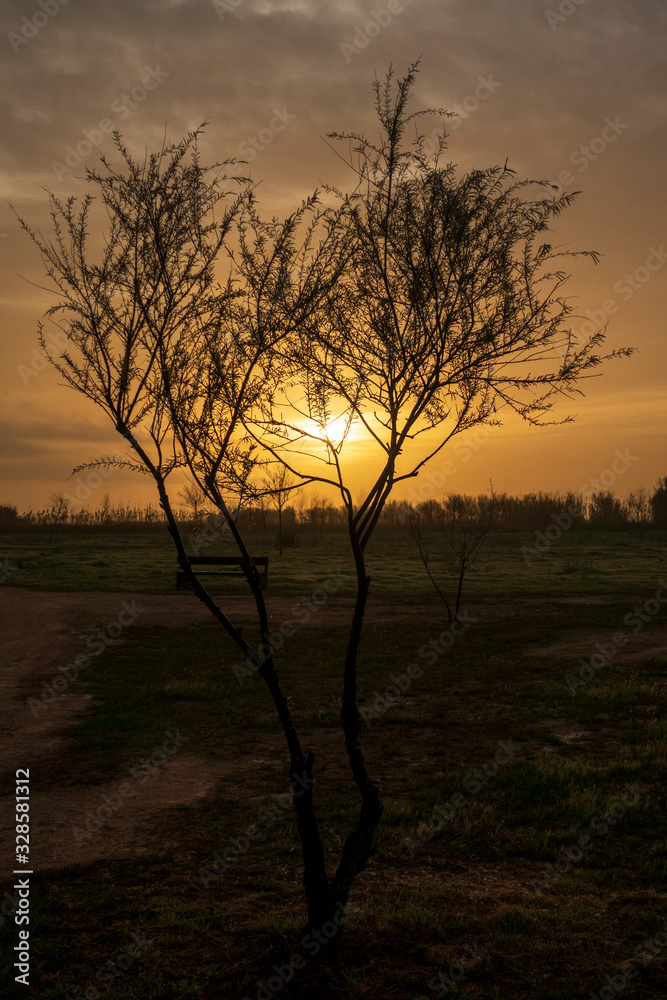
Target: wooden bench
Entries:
(235, 564)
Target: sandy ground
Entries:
(42, 631)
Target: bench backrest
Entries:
(226, 560)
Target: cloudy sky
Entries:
(572, 91)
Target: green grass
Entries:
(582, 561)
(411, 914)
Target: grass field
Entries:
(579, 562)
(523, 849)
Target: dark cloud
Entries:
(31, 436)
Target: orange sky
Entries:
(575, 97)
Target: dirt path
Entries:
(649, 643)
(41, 632)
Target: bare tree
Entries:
(279, 482)
(464, 532)
(424, 550)
(194, 501)
(417, 307)
(463, 528)
(606, 510)
(449, 309)
(60, 508)
(176, 354)
(639, 506)
(659, 503)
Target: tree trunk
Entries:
(315, 881)
(280, 529)
(361, 842)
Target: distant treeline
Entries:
(315, 515)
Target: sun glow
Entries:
(334, 430)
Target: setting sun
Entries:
(333, 431)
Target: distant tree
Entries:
(417, 522)
(638, 506)
(395, 514)
(430, 513)
(463, 525)
(464, 532)
(194, 500)
(105, 514)
(9, 515)
(60, 509)
(606, 511)
(659, 503)
(280, 482)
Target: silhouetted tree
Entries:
(176, 354)
(421, 305)
(463, 526)
(639, 506)
(450, 307)
(659, 503)
(606, 511)
(280, 482)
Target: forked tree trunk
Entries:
(325, 896)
